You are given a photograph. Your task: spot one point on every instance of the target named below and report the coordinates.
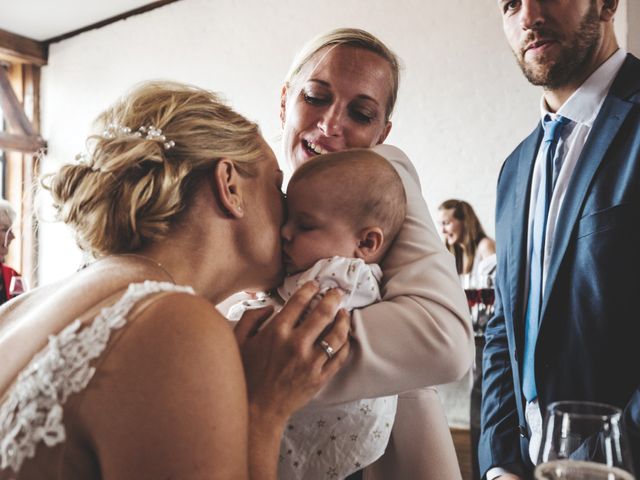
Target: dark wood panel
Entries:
(16, 48)
(21, 143)
(12, 108)
(31, 82)
(462, 443)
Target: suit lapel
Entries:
(518, 244)
(611, 117)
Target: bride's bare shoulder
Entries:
(180, 329)
(170, 312)
(176, 374)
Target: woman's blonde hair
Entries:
(350, 37)
(472, 234)
(129, 188)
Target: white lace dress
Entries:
(32, 412)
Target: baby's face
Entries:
(314, 228)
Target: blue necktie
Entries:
(552, 130)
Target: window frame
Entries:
(21, 59)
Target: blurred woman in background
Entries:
(339, 94)
(464, 236)
(475, 255)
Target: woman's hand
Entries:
(285, 365)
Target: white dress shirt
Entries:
(581, 108)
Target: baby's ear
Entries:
(370, 244)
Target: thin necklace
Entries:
(149, 260)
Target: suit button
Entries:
(523, 431)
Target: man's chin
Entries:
(539, 74)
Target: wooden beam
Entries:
(16, 48)
(12, 108)
(22, 169)
(31, 97)
(21, 143)
(115, 18)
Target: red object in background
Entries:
(487, 296)
(484, 296)
(7, 273)
(473, 296)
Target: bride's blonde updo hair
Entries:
(132, 184)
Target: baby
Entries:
(344, 210)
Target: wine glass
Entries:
(487, 298)
(579, 470)
(17, 286)
(473, 296)
(583, 440)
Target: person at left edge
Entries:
(7, 217)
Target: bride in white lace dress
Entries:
(125, 369)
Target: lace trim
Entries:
(33, 412)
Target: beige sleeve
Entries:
(420, 333)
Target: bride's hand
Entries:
(284, 363)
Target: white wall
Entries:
(633, 23)
(463, 103)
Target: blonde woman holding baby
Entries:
(339, 94)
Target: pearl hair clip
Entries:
(152, 133)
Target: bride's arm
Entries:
(420, 333)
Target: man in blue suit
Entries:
(567, 321)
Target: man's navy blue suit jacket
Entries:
(588, 346)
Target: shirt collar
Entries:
(584, 104)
